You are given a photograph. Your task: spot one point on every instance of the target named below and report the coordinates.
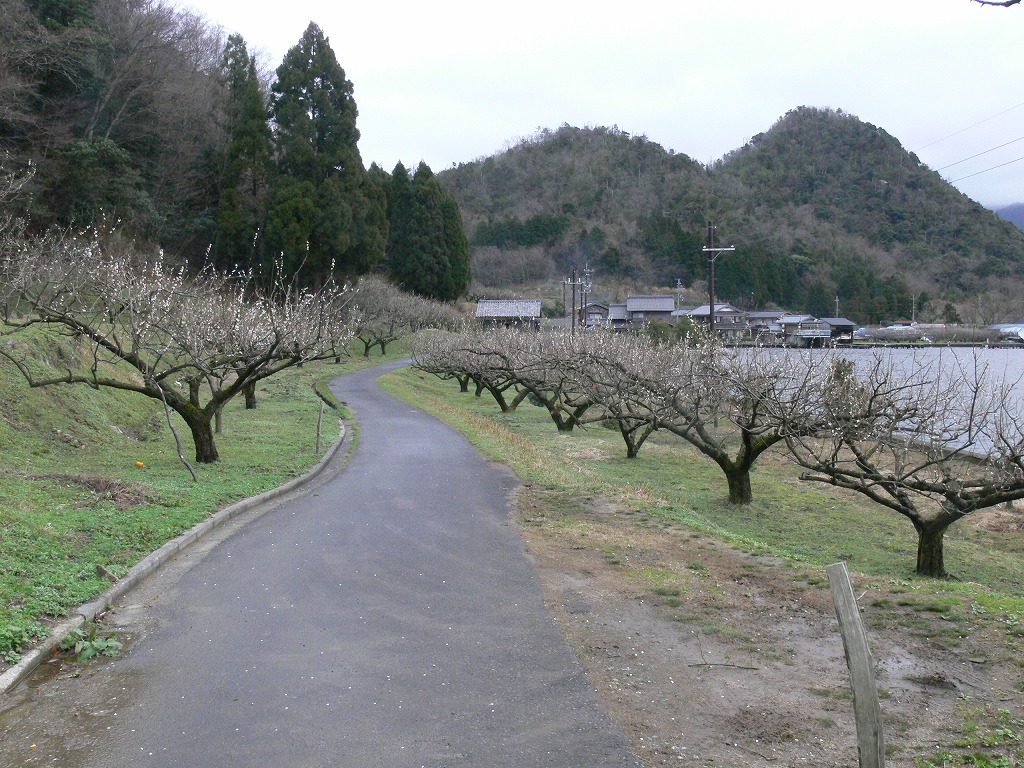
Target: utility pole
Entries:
(713, 253)
(584, 284)
(837, 306)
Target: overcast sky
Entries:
(451, 81)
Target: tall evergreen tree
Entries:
(315, 136)
(403, 260)
(248, 163)
(456, 245)
(428, 252)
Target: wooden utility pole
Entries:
(713, 253)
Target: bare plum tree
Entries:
(383, 313)
(932, 441)
(132, 322)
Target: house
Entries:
(594, 314)
(730, 321)
(618, 317)
(766, 325)
(805, 331)
(723, 311)
(517, 313)
(791, 323)
(645, 309)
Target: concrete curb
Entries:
(89, 611)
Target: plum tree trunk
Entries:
(250, 396)
(930, 561)
(739, 486)
(200, 426)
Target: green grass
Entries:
(672, 483)
(64, 446)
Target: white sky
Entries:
(451, 81)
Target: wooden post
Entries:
(319, 427)
(866, 709)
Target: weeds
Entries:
(88, 643)
(14, 638)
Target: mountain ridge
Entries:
(821, 205)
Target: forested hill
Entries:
(820, 205)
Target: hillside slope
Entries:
(820, 206)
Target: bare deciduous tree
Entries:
(465, 357)
(723, 402)
(933, 442)
(132, 322)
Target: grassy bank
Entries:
(672, 483)
(90, 481)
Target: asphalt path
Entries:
(389, 617)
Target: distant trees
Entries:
(138, 112)
(428, 252)
(248, 168)
(383, 314)
(817, 199)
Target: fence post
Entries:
(866, 709)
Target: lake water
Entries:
(1002, 363)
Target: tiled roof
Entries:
(617, 312)
(508, 308)
(650, 303)
(720, 310)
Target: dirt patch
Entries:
(706, 655)
(124, 495)
(1001, 520)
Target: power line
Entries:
(1008, 162)
(974, 125)
(1012, 141)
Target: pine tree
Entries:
(248, 163)
(315, 135)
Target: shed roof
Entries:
(838, 322)
(508, 308)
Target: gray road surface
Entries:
(387, 618)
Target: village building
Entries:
(645, 309)
(509, 313)
(840, 328)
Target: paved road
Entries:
(388, 618)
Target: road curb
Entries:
(141, 570)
